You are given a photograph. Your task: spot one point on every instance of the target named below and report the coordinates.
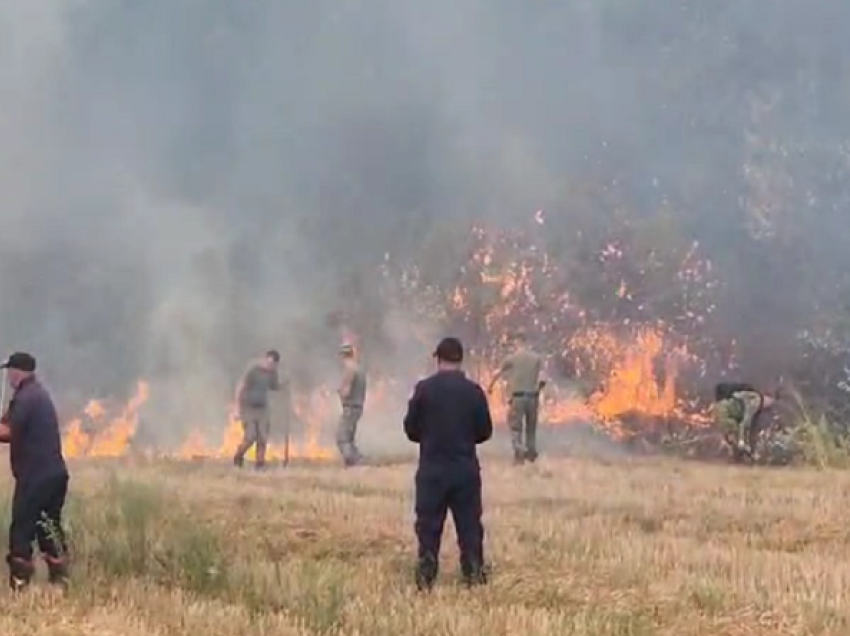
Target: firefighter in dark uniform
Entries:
(448, 416)
(31, 428)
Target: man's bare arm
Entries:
(543, 376)
(345, 385)
(502, 370)
(240, 386)
(237, 394)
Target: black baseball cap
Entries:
(449, 350)
(20, 361)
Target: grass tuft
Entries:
(817, 441)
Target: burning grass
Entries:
(615, 363)
(635, 397)
(578, 547)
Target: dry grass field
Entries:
(624, 548)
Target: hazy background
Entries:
(185, 184)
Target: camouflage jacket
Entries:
(740, 409)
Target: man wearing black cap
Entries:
(448, 416)
(31, 428)
(252, 400)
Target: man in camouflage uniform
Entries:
(521, 371)
(252, 400)
(352, 395)
(736, 410)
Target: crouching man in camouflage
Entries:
(252, 400)
(352, 394)
(737, 407)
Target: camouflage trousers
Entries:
(736, 435)
(739, 433)
(742, 438)
(522, 421)
(256, 425)
(346, 433)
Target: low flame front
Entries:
(99, 434)
(631, 387)
(306, 446)
(627, 360)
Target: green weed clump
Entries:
(135, 530)
(816, 441)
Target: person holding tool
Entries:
(252, 400)
(31, 428)
(522, 370)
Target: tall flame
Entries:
(633, 386)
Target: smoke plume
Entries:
(186, 184)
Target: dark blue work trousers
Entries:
(455, 488)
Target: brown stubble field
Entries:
(577, 547)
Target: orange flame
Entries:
(96, 434)
(507, 282)
(97, 437)
(635, 388)
(306, 446)
(632, 386)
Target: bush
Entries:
(817, 441)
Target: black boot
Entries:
(426, 573)
(20, 573)
(473, 574)
(57, 571)
(238, 461)
(350, 461)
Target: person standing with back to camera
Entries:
(522, 370)
(448, 416)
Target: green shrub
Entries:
(816, 441)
